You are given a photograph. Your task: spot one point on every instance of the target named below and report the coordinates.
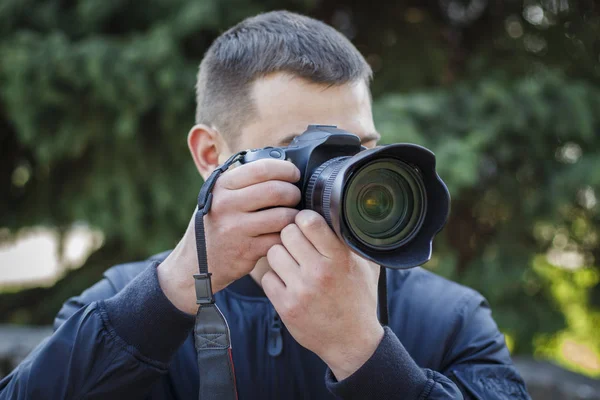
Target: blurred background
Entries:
(97, 97)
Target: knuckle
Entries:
(309, 219)
(281, 194)
(217, 207)
(288, 215)
(295, 194)
(349, 259)
(265, 244)
(238, 251)
(290, 313)
(267, 280)
(291, 194)
(288, 231)
(282, 219)
(303, 296)
(324, 278)
(292, 310)
(221, 202)
(221, 183)
(284, 310)
(226, 228)
(246, 249)
(273, 251)
(273, 192)
(226, 181)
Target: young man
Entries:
(129, 336)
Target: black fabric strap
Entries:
(382, 296)
(215, 364)
(211, 332)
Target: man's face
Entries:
(286, 105)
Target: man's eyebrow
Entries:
(373, 136)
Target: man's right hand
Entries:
(251, 204)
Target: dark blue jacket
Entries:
(123, 339)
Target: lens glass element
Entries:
(384, 203)
(375, 202)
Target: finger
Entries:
(299, 247)
(264, 195)
(259, 171)
(283, 264)
(273, 287)
(260, 245)
(267, 221)
(315, 229)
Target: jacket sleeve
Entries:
(105, 345)
(478, 366)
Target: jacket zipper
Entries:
(275, 345)
(274, 348)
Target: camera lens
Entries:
(384, 203)
(375, 202)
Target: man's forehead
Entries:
(286, 105)
(285, 90)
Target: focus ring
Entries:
(329, 188)
(310, 188)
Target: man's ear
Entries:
(206, 145)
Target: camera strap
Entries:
(382, 296)
(211, 333)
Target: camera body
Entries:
(385, 203)
(317, 145)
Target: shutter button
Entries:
(275, 154)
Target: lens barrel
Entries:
(387, 203)
(320, 186)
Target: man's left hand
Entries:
(325, 294)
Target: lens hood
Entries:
(418, 250)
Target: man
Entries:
(129, 336)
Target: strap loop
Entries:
(204, 294)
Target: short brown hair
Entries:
(278, 41)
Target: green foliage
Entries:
(571, 289)
(97, 96)
(518, 157)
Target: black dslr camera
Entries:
(386, 203)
